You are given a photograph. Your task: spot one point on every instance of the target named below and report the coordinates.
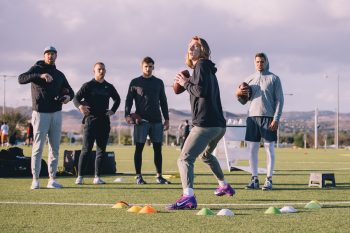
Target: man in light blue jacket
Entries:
(266, 104)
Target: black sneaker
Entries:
(139, 180)
(161, 180)
(253, 184)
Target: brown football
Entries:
(135, 118)
(178, 89)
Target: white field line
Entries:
(157, 204)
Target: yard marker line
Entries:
(53, 203)
(158, 204)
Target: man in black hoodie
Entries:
(50, 89)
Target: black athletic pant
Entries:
(158, 158)
(94, 129)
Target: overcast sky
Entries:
(305, 40)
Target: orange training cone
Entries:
(147, 210)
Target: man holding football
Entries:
(264, 91)
(149, 95)
(209, 124)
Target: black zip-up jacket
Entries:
(205, 96)
(44, 95)
(149, 95)
(96, 95)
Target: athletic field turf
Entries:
(87, 208)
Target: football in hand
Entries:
(178, 89)
(243, 99)
(136, 119)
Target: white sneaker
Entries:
(98, 180)
(53, 184)
(35, 184)
(267, 185)
(79, 180)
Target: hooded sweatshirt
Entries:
(44, 95)
(204, 93)
(267, 94)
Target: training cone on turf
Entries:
(272, 210)
(313, 205)
(288, 209)
(317, 202)
(118, 180)
(134, 209)
(147, 210)
(205, 211)
(120, 205)
(225, 212)
(172, 176)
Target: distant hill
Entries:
(294, 120)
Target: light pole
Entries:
(336, 130)
(278, 129)
(316, 128)
(4, 104)
(337, 119)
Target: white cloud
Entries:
(70, 17)
(339, 9)
(303, 39)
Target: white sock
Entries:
(253, 160)
(222, 183)
(270, 157)
(188, 192)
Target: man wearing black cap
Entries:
(50, 89)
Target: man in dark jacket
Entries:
(93, 101)
(149, 95)
(50, 89)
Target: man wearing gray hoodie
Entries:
(265, 109)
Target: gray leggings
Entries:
(200, 142)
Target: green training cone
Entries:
(317, 202)
(313, 205)
(205, 211)
(272, 210)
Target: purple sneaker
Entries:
(226, 190)
(184, 203)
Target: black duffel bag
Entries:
(14, 164)
(71, 160)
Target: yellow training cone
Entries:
(172, 176)
(134, 209)
(147, 210)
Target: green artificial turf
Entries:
(87, 208)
